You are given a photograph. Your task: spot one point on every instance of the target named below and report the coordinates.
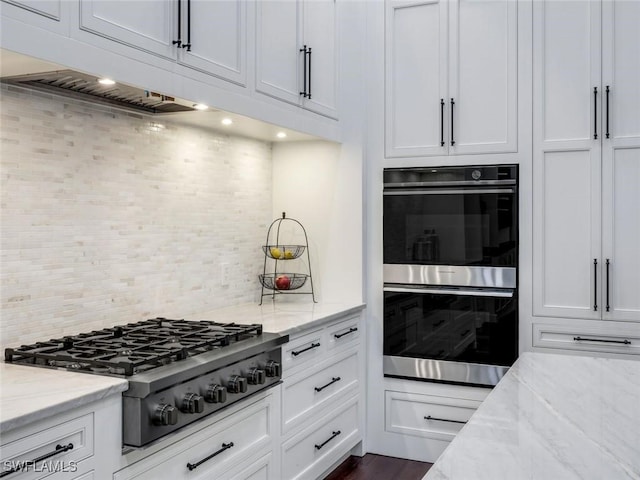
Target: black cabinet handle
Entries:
(309, 93)
(304, 72)
(178, 42)
(595, 284)
(313, 345)
(188, 44)
(225, 446)
(442, 122)
(453, 142)
(595, 113)
(622, 342)
(351, 330)
(607, 115)
(607, 292)
(429, 417)
(333, 380)
(335, 434)
(23, 465)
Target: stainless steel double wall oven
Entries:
(450, 273)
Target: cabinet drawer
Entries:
(343, 334)
(305, 394)
(625, 340)
(77, 433)
(406, 413)
(316, 448)
(235, 438)
(301, 350)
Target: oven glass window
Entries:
(473, 229)
(470, 329)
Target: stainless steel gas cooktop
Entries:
(179, 371)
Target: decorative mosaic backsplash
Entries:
(109, 217)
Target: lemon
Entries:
(275, 252)
(288, 254)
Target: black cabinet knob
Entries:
(165, 415)
(216, 394)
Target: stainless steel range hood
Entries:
(86, 87)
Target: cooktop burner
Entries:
(133, 348)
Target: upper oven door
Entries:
(464, 223)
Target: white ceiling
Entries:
(12, 64)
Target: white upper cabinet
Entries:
(586, 140)
(215, 37)
(48, 14)
(451, 77)
(416, 78)
(296, 53)
(150, 25)
(209, 36)
(621, 157)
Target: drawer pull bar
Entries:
(24, 465)
(335, 434)
(351, 330)
(225, 446)
(313, 345)
(333, 380)
(429, 417)
(623, 342)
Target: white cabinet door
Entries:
(621, 158)
(277, 50)
(319, 34)
(148, 25)
(48, 14)
(483, 68)
(566, 204)
(216, 31)
(416, 78)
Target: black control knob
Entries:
(256, 376)
(216, 394)
(237, 384)
(272, 369)
(192, 403)
(165, 415)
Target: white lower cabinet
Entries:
(78, 445)
(220, 450)
(311, 452)
(322, 404)
(427, 415)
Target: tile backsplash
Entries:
(109, 217)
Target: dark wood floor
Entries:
(372, 467)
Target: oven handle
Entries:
(449, 191)
(454, 183)
(444, 291)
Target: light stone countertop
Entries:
(282, 317)
(28, 394)
(552, 417)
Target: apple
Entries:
(282, 282)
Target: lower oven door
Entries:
(456, 335)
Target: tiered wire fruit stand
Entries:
(278, 280)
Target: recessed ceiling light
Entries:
(281, 135)
(200, 106)
(106, 81)
(227, 121)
